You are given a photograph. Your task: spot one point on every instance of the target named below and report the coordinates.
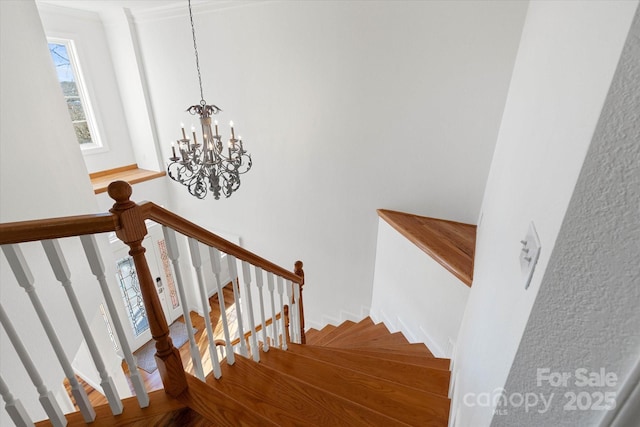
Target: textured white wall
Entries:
(87, 32)
(346, 107)
(586, 314)
(414, 294)
(566, 60)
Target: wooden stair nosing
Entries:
(434, 381)
(413, 359)
(290, 401)
(225, 411)
(403, 403)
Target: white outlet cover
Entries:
(529, 254)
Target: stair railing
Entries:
(127, 220)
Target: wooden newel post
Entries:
(300, 272)
(131, 231)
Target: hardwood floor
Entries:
(152, 380)
(95, 397)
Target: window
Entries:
(75, 93)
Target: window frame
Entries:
(97, 144)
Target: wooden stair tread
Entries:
(412, 358)
(311, 333)
(410, 349)
(181, 417)
(451, 244)
(219, 409)
(324, 335)
(289, 401)
(344, 328)
(357, 329)
(395, 339)
(419, 377)
(160, 405)
(400, 402)
(360, 333)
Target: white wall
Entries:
(35, 131)
(565, 63)
(86, 30)
(414, 294)
(129, 70)
(346, 107)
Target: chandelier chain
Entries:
(206, 165)
(195, 48)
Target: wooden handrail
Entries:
(57, 228)
(162, 216)
(127, 220)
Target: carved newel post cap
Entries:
(298, 271)
(120, 191)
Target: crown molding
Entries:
(174, 10)
(53, 9)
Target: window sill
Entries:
(130, 173)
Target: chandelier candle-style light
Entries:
(207, 166)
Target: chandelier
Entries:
(206, 165)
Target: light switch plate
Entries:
(529, 254)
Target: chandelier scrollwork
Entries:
(207, 166)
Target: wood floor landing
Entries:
(451, 244)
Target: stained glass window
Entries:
(130, 289)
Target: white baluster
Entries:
(97, 268)
(296, 297)
(274, 322)
(216, 267)
(25, 280)
(196, 261)
(283, 328)
(14, 407)
(246, 273)
(260, 285)
(174, 254)
(292, 310)
(233, 273)
(61, 271)
(47, 400)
